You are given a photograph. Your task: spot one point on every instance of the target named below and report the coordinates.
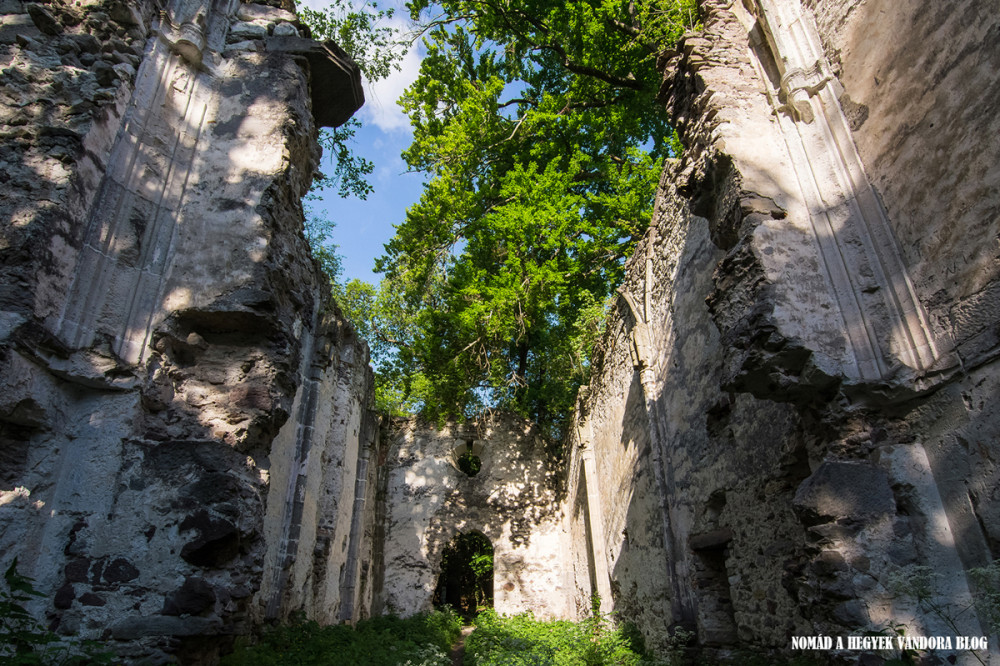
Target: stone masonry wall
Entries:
(791, 406)
(513, 501)
(184, 418)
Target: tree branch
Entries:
(518, 100)
(586, 70)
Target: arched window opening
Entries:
(466, 579)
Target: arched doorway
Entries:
(466, 579)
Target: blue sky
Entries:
(363, 227)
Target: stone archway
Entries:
(465, 581)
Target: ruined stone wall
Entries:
(791, 404)
(788, 358)
(942, 62)
(613, 514)
(183, 416)
(514, 501)
(925, 122)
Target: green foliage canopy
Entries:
(536, 125)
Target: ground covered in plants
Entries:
(422, 640)
(426, 640)
(513, 641)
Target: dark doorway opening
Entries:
(466, 580)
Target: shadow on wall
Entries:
(512, 501)
(760, 344)
(144, 486)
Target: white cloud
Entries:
(391, 168)
(380, 106)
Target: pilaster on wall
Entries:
(794, 201)
(174, 376)
(154, 196)
(883, 320)
(130, 237)
(316, 519)
(586, 480)
(820, 327)
(785, 435)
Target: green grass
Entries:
(521, 640)
(421, 640)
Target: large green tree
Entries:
(536, 125)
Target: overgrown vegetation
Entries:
(469, 463)
(536, 126)
(24, 641)
(918, 583)
(421, 640)
(521, 639)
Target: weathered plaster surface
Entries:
(932, 158)
(183, 415)
(513, 501)
(786, 357)
(793, 400)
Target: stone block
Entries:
(64, 596)
(25, 393)
(131, 628)
(254, 12)
(844, 491)
(44, 20)
(191, 598)
(335, 79)
(244, 31)
(851, 613)
(217, 540)
(714, 539)
(119, 570)
(91, 599)
(13, 26)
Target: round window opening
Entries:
(469, 463)
(465, 456)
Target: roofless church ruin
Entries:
(795, 398)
